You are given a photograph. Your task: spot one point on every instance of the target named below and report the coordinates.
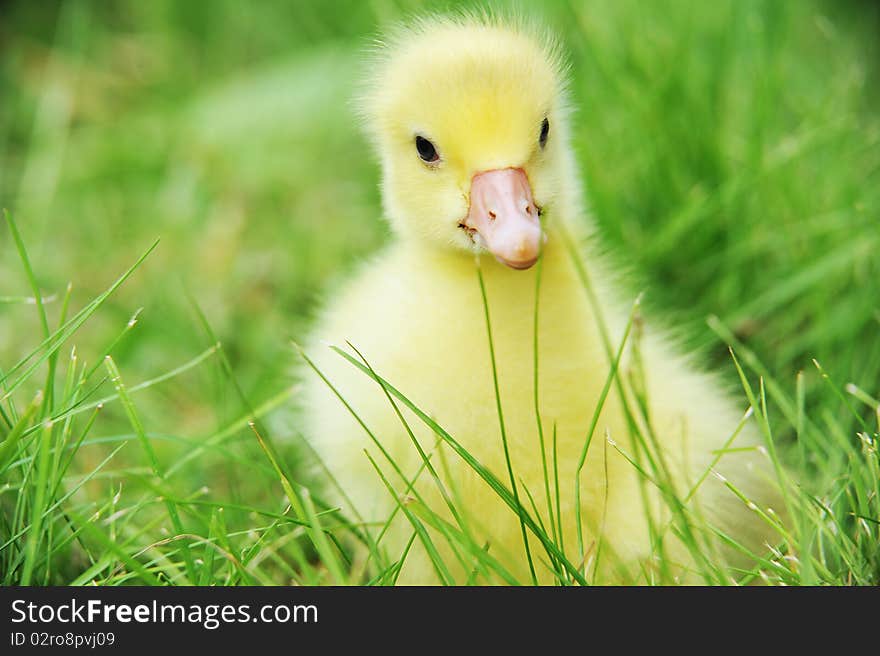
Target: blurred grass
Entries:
(731, 153)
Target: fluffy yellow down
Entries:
(479, 90)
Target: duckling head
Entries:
(468, 117)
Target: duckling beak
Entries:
(504, 217)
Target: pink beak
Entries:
(505, 218)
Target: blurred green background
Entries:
(730, 151)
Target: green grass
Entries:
(732, 158)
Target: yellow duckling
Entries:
(469, 118)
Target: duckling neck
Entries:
(554, 257)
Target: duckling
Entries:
(479, 183)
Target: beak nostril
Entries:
(529, 210)
(492, 216)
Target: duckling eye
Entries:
(545, 131)
(426, 149)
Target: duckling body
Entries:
(416, 314)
